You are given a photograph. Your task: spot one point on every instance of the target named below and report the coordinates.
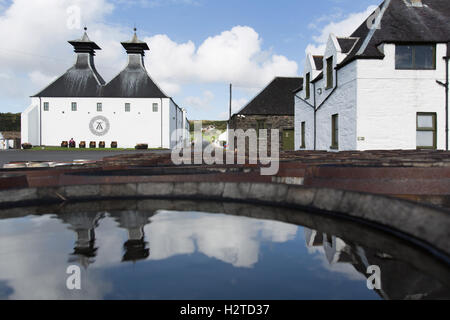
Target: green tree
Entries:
(9, 121)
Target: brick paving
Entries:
(422, 176)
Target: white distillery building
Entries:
(384, 87)
(131, 109)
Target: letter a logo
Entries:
(74, 280)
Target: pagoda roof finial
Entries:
(135, 45)
(84, 44)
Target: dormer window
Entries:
(308, 85)
(330, 73)
(415, 57)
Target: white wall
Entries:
(304, 113)
(140, 125)
(176, 122)
(341, 101)
(30, 123)
(377, 104)
(389, 99)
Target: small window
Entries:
(303, 128)
(335, 131)
(46, 106)
(127, 107)
(426, 131)
(99, 107)
(308, 85)
(155, 107)
(330, 80)
(74, 106)
(415, 57)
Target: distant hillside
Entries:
(9, 121)
(219, 125)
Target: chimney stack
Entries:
(135, 50)
(85, 50)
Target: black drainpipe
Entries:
(40, 121)
(315, 117)
(162, 143)
(446, 101)
(446, 85)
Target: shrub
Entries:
(27, 146)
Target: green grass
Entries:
(86, 149)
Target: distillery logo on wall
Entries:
(99, 126)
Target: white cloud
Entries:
(233, 240)
(203, 102)
(156, 3)
(35, 50)
(234, 56)
(339, 24)
(40, 79)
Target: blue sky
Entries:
(197, 46)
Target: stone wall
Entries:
(272, 122)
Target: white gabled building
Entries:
(131, 109)
(384, 87)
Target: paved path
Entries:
(22, 155)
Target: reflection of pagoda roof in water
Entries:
(398, 279)
(84, 225)
(135, 250)
(134, 222)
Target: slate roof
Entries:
(83, 80)
(402, 23)
(133, 82)
(347, 44)
(318, 60)
(275, 99)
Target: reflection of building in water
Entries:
(399, 280)
(84, 225)
(134, 221)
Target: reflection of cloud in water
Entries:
(32, 264)
(234, 240)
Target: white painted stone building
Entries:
(381, 88)
(131, 109)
